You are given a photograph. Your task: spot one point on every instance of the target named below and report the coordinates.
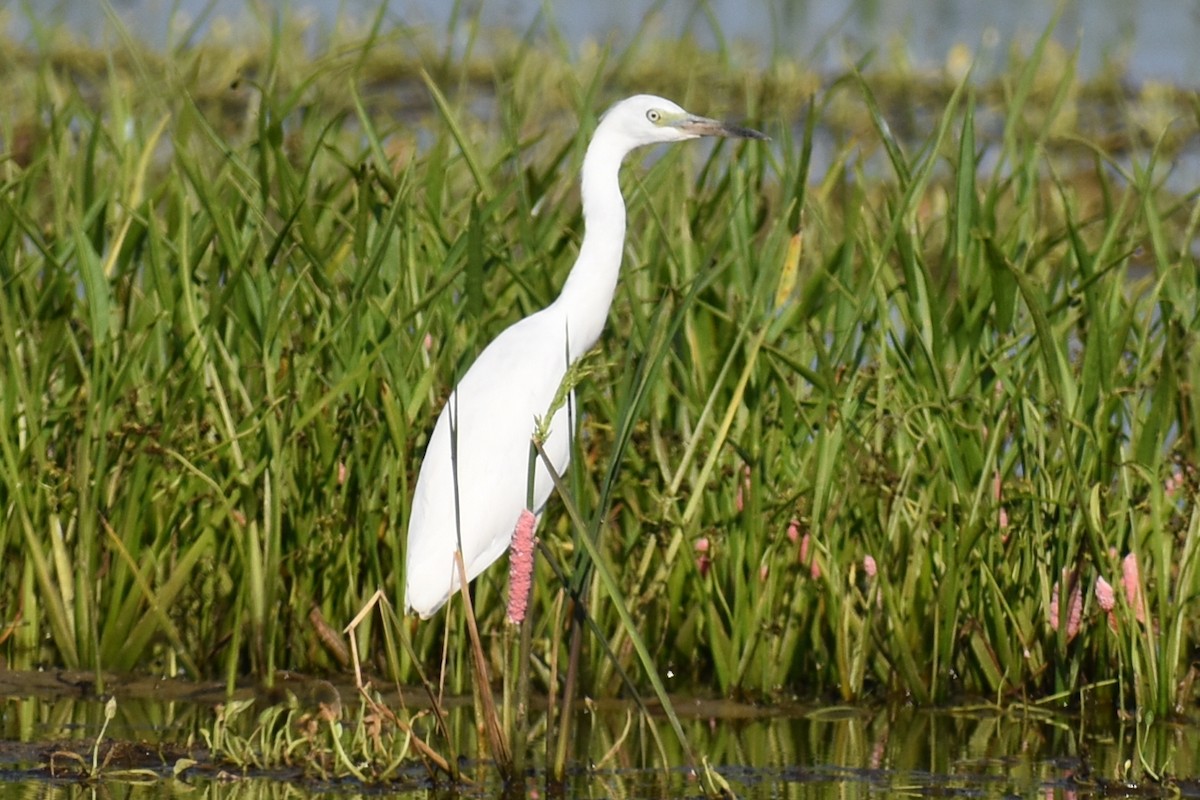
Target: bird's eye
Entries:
(654, 115)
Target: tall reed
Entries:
(877, 408)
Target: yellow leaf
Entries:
(791, 265)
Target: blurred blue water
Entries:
(1143, 40)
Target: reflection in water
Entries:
(761, 753)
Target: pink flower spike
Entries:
(743, 486)
(806, 556)
(869, 566)
(996, 486)
(1131, 580)
(1106, 598)
(1074, 610)
(793, 531)
(520, 566)
(703, 562)
(1130, 575)
(1104, 594)
(763, 571)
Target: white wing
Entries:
(494, 411)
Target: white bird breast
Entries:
(494, 410)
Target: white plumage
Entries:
(495, 406)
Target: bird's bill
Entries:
(703, 126)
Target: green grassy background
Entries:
(238, 280)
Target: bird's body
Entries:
(493, 439)
(495, 407)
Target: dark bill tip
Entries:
(745, 133)
(703, 126)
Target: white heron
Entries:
(494, 408)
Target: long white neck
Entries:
(588, 292)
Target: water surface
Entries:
(1142, 41)
(782, 750)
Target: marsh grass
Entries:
(238, 281)
(368, 746)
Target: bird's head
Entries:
(646, 119)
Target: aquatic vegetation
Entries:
(867, 396)
(290, 747)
